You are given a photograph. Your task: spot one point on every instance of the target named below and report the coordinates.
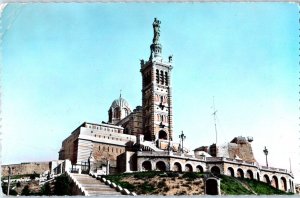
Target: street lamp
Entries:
(182, 137)
(266, 153)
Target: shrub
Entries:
(62, 185)
(46, 189)
(146, 188)
(25, 191)
(172, 174)
(191, 176)
(33, 176)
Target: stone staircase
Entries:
(149, 146)
(94, 187)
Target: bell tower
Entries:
(157, 92)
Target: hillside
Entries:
(170, 183)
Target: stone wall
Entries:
(243, 151)
(103, 152)
(26, 168)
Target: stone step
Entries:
(98, 188)
(104, 193)
(95, 187)
(89, 181)
(87, 184)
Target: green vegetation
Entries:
(229, 185)
(62, 185)
(191, 176)
(46, 189)
(238, 186)
(26, 191)
(31, 176)
(146, 187)
(262, 188)
(232, 186)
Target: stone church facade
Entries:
(142, 139)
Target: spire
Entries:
(155, 47)
(120, 93)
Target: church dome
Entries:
(118, 110)
(120, 102)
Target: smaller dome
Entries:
(120, 102)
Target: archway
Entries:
(215, 170)
(188, 168)
(177, 167)
(240, 173)
(162, 135)
(283, 184)
(267, 179)
(258, 176)
(147, 166)
(274, 182)
(211, 186)
(230, 172)
(199, 168)
(249, 174)
(161, 166)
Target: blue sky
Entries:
(64, 64)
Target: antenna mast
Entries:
(290, 165)
(214, 114)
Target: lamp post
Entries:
(182, 137)
(8, 182)
(266, 153)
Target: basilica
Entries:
(141, 139)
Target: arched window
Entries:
(249, 174)
(266, 179)
(240, 173)
(147, 166)
(177, 167)
(157, 76)
(188, 168)
(162, 77)
(117, 112)
(230, 172)
(162, 135)
(166, 78)
(215, 170)
(199, 168)
(161, 166)
(125, 112)
(161, 99)
(283, 184)
(274, 182)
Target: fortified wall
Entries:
(240, 148)
(26, 168)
